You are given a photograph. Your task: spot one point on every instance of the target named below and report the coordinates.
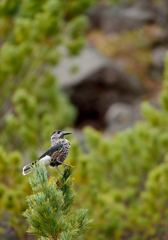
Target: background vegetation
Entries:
(49, 212)
(122, 181)
(32, 35)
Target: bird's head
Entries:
(58, 134)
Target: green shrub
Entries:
(49, 212)
(32, 36)
(123, 180)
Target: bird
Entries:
(55, 155)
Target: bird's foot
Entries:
(66, 165)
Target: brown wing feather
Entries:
(61, 154)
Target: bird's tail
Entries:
(28, 168)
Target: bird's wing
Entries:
(51, 150)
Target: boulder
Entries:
(120, 116)
(97, 83)
(158, 55)
(72, 70)
(122, 17)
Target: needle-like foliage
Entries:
(49, 208)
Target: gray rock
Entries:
(98, 83)
(158, 55)
(73, 70)
(162, 13)
(95, 15)
(91, 65)
(117, 19)
(119, 116)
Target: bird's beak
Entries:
(67, 133)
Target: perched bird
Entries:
(55, 155)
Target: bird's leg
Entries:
(63, 163)
(59, 170)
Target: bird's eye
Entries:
(59, 132)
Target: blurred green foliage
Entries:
(123, 180)
(49, 208)
(32, 36)
(13, 188)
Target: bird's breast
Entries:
(62, 153)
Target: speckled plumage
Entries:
(61, 154)
(56, 154)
